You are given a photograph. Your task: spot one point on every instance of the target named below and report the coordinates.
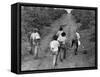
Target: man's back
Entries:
(54, 45)
(35, 36)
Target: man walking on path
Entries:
(76, 41)
(35, 37)
(54, 47)
(62, 40)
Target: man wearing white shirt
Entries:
(35, 37)
(54, 47)
(76, 41)
(62, 40)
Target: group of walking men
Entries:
(57, 44)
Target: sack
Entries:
(79, 43)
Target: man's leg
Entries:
(72, 43)
(36, 51)
(61, 54)
(37, 47)
(64, 53)
(32, 49)
(76, 49)
(54, 60)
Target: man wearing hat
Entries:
(35, 37)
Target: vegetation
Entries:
(87, 19)
(37, 17)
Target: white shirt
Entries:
(62, 39)
(35, 36)
(54, 45)
(59, 33)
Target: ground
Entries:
(85, 57)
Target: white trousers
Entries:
(35, 50)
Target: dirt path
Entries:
(45, 60)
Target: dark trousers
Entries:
(62, 52)
(32, 48)
(75, 42)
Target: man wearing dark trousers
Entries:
(76, 42)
